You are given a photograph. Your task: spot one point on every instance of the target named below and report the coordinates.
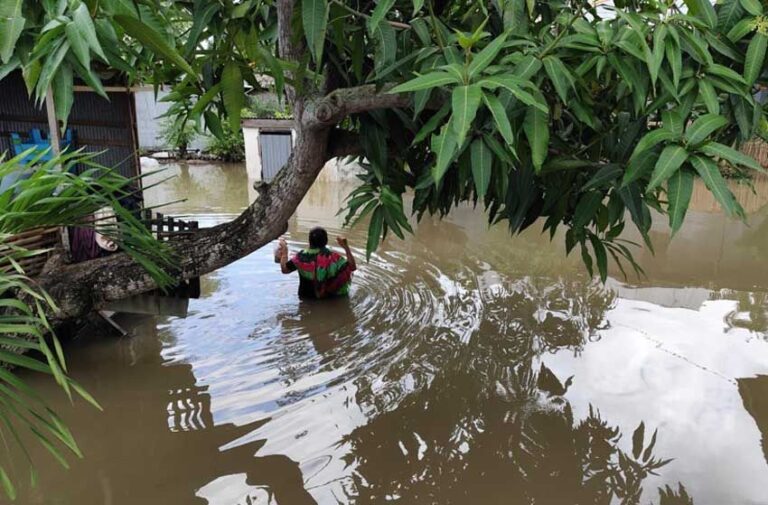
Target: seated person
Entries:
(323, 273)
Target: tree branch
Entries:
(345, 101)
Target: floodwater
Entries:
(467, 367)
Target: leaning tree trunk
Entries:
(80, 288)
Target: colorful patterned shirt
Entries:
(322, 273)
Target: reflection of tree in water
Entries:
(751, 311)
(487, 427)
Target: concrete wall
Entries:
(148, 125)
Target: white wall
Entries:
(147, 124)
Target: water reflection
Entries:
(466, 367)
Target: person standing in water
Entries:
(323, 273)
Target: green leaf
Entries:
(233, 93)
(314, 18)
(11, 26)
(670, 160)
(482, 163)
(432, 124)
(386, 45)
(205, 99)
(63, 93)
(731, 155)
(464, 100)
(703, 128)
(753, 64)
(500, 117)
(674, 121)
(586, 209)
(427, 81)
(484, 58)
(601, 258)
(444, 146)
(79, 45)
(729, 12)
(528, 67)
(653, 138)
(514, 85)
(417, 5)
(725, 73)
(714, 181)
(536, 128)
(559, 75)
(379, 13)
(81, 18)
(374, 231)
(674, 57)
(741, 29)
(606, 174)
(754, 7)
(709, 96)
(154, 41)
(703, 10)
(679, 191)
(659, 46)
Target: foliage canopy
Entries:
(555, 109)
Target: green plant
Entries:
(51, 196)
(229, 147)
(178, 132)
(555, 109)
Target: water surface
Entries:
(466, 367)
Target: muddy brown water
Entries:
(467, 367)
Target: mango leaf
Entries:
(559, 75)
(536, 128)
(527, 67)
(653, 138)
(386, 45)
(484, 58)
(314, 18)
(482, 163)
(741, 29)
(154, 41)
(444, 146)
(703, 10)
(601, 258)
(11, 26)
(710, 173)
(703, 127)
(679, 191)
(731, 155)
(82, 20)
(78, 44)
(709, 96)
(670, 160)
(753, 63)
(432, 123)
(63, 93)
(754, 7)
(500, 117)
(586, 209)
(672, 51)
(233, 93)
(515, 86)
(729, 13)
(379, 13)
(464, 100)
(427, 81)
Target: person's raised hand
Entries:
(342, 241)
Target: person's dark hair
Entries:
(318, 238)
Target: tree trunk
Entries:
(80, 288)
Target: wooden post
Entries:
(53, 137)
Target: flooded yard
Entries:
(466, 367)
